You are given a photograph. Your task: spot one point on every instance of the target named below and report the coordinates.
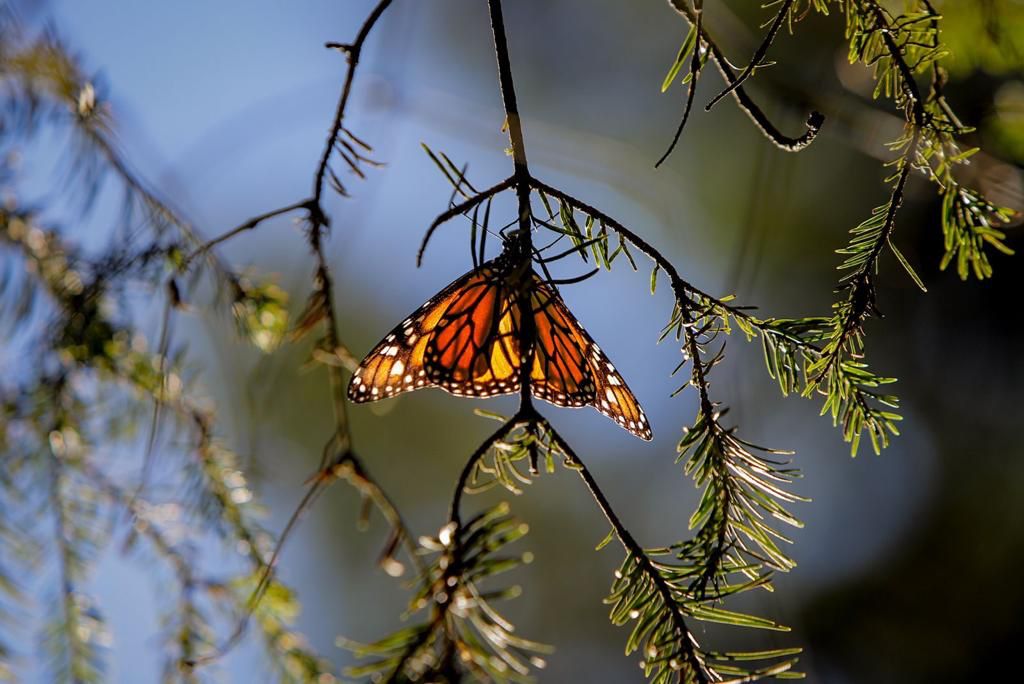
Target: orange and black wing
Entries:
(396, 364)
(571, 370)
(560, 373)
(474, 350)
(460, 341)
(466, 341)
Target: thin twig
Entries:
(158, 398)
(241, 228)
(763, 123)
(524, 415)
(353, 51)
(691, 89)
(758, 57)
(460, 209)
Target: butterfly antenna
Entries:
(548, 246)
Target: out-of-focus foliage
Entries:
(983, 35)
(85, 380)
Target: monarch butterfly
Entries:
(466, 341)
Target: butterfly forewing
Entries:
(577, 362)
(396, 364)
(560, 372)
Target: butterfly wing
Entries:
(397, 363)
(465, 340)
(571, 370)
(560, 373)
(474, 351)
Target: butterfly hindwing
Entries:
(614, 398)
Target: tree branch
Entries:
(763, 123)
(693, 657)
(691, 87)
(759, 54)
(241, 228)
(353, 51)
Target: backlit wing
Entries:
(571, 370)
(397, 363)
(474, 350)
(560, 373)
(465, 340)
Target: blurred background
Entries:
(906, 561)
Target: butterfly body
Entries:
(466, 340)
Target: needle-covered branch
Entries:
(462, 634)
(791, 346)
(658, 598)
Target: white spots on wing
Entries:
(614, 380)
(398, 368)
(390, 350)
(374, 391)
(611, 368)
(611, 396)
(408, 380)
(390, 338)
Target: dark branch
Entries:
(759, 54)
(521, 179)
(693, 657)
(763, 123)
(691, 90)
(241, 228)
(353, 51)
